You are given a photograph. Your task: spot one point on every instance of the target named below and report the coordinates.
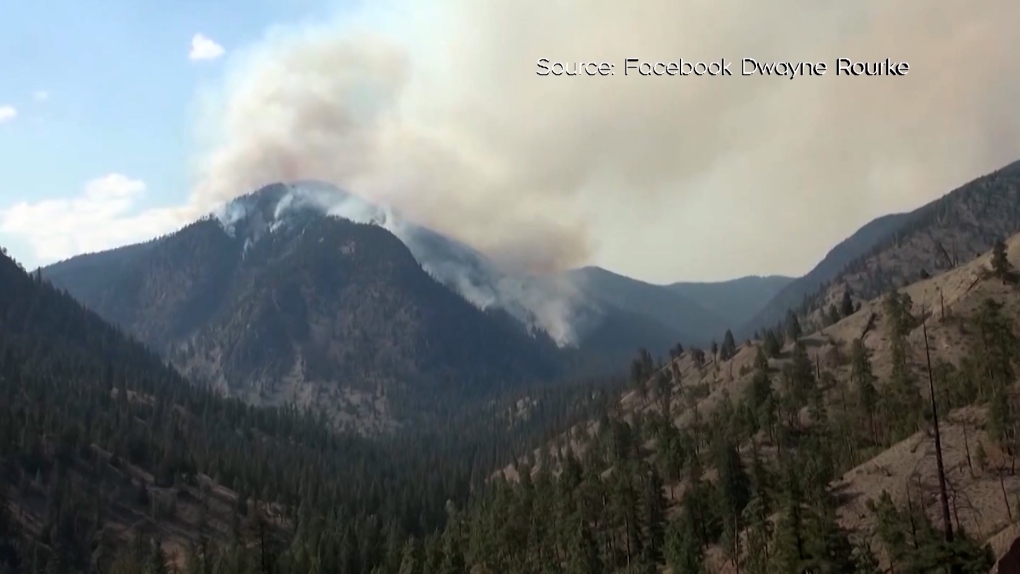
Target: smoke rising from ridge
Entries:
(435, 108)
(551, 304)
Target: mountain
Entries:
(682, 318)
(304, 293)
(735, 301)
(308, 309)
(691, 313)
(892, 250)
(823, 449)
(110, 461)
(851, 248)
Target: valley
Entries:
(338, 394)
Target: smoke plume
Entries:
(436, 108)
(551, 304)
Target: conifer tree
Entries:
(793, 328)
(846, 304)
(684, 551)
(729, 346)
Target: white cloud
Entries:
(41, 95)
(99, 218)
(204, 48)
(7, 113)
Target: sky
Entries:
(121, 121)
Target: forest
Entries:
(94, 426)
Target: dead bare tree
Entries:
(966, 448)
(944, 499)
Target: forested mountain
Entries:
(111, 462)
(876, 429)
(280, 300)
(883, 443)
(895, 250)
(321, 311)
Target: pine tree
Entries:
(771, 344)
(788, 551)
(583, 555)
(684, 551)
(832, 316)
(1000, 263)
(410, 557)
(729, 346)
(846, 304)
(156, 563)
(827, 545)
(866, 393)
(453, 555)
(759, 535)
(793, 329)
(997, 346)
(904, 405)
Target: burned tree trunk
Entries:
(944, 498)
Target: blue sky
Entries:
(91, 89)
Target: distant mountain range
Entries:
(696, 312)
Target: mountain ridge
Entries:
(893, 249)
(318, 311)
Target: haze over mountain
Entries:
(736, 300)
(696, 312)
(892, 250)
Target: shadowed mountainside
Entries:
(321, 311)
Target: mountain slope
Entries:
(110, 461)
(316, 311)
(839, 420)
(101, 442)
(834, 262)
(688, 322)
(895, 249)
(735, 301)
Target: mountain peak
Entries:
(276, 204)
(540, 305)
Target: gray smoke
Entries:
(436, 108)
(550, 303)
